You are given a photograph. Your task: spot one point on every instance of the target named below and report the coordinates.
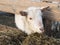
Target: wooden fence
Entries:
(15, 6)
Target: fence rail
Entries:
(15, 6)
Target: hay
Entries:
(40, 39)
(11, 36)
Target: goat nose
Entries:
(42, 29)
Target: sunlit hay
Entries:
(11, 36)
(39, 39)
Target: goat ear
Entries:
(23, 13)
(44, 8)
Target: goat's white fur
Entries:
(32, 26)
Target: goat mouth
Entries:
(42, 30)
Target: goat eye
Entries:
(30, 18)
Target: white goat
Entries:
(30, 20)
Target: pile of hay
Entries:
(40, 39)
(11, 36)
